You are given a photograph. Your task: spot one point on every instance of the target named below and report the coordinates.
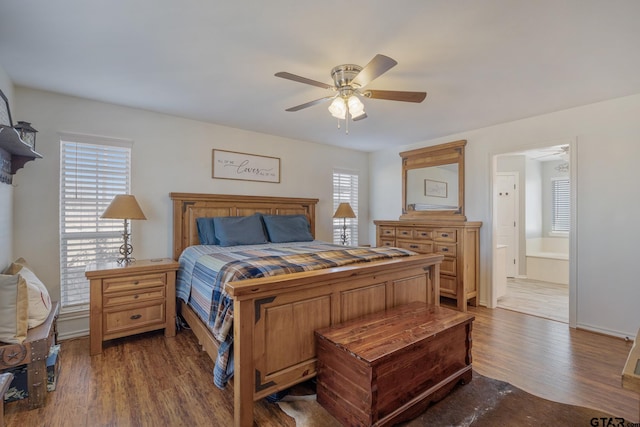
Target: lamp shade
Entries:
(338, 108)
(344, 211)
(123, 206)
(356, 107)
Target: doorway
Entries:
(532, 206)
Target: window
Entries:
(560, 205)
(92, 171)
(345, 189)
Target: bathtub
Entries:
(548, 259)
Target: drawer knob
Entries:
(413, 246)
(136, 296)
(445, 235)
(444, 249)
(136, 316)
(136, 282)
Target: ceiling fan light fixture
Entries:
(356, 107)
(349, 81)
(338, 108)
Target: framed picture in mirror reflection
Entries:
(434, 188)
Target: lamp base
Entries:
(344, 237)
(126, 249)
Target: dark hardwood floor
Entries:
(150, 380)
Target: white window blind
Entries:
(91, 174)
(560, 196)
(345, 189)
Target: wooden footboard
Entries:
(275, 318)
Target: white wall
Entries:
(533, 202)
(607, 146)
(170, 154)
(6, 191)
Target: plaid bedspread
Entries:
(226, 266)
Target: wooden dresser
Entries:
(458, 241)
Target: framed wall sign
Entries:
(5, 113)
(245, 167)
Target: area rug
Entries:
(484, 402)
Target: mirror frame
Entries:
(437, 155)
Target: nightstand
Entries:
(130, 299)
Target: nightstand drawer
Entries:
(138, 296)
(130, 283)
(133, 319)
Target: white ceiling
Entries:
(482, 62)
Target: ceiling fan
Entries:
(560, 152)
(349, 81)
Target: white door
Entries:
(507, 216)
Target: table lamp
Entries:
(344, 211)
(124, 206)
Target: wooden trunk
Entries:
(388, 367)
(33, 352)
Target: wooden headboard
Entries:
(189, 206)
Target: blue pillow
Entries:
(206, 232)
(287, 228)
(239, 230)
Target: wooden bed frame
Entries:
(275, 317)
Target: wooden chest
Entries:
(388, 367)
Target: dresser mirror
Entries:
(433, 182)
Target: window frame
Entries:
(560, 221)
(345, 190)
(92, 171)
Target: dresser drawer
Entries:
(387, 231)
(448, 266)
(387, 242)
(448, 286)
(422, 234)
(136, 296)
(406, 232)
(133, 319)
(445, 235)
(416, 246)
(129, 283)
(445, 249)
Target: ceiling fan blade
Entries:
(305, 80)
(396, 95)
(310, 103)
(379, 65)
